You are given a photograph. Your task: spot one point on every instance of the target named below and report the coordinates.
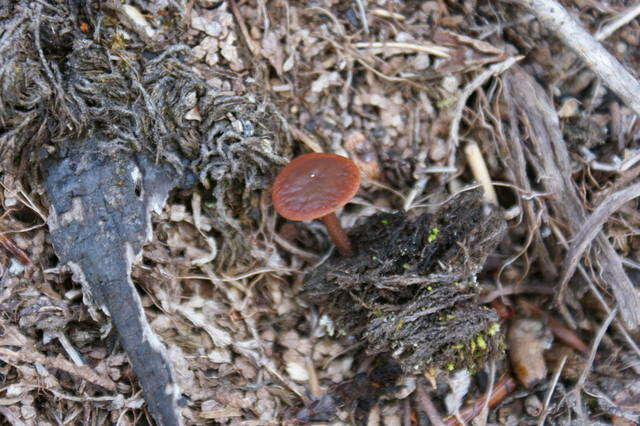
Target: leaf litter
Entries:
(221, 279)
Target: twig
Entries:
(83, 372)
(594, 348)
(472, 86)
(243, 28)
(552, 387)
(480, 171)
(387, 14)
(305, 138)
(484, 413)
(508, 290)
(552, 163)
(503, 387)
(590, 229)
(82, 398)
(615, 76)
(427, 405)
(617, 323)
(416, 190)
(314, 383)
(623, 19)
(71, 351)
(363, 16)
(432, 49)
(12, 248)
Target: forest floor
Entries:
(430, 99)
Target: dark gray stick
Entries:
(100, 217)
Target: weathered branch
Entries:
(612, 73)
(591, 227)
(552, 165)
(99, 218)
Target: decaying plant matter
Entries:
(358, 394)
(114, 124)
(428, 97)
(409, 288)
(71, 71)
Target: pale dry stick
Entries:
(382, 13)
(71, 351)
(612, 73)
(295, 249)
(629, 162)
(26, 200)
(554, 382)
(314, 383)
(552, 162)
(484, 413)
(619, 326)
(590, 229)
(338, 26)
(439, 169)
(81, 398)
(585, 276)
(414, 192)
(243, 28)
(363, 16)
(594, 350)
(621, 20)
(508, 290)
(84, 372)
(428, 406)
(472, 86)
(432, 49)
(305, 138)
(480, 171)
(361, 60)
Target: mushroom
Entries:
(314, 186)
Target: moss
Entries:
(493, 329)
(417, 299)
(482, 344)
(433, 235)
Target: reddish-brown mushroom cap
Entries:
(314, 185)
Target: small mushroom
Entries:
(314, 186)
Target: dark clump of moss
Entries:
(81, 71)
(410, 287)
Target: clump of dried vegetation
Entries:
(430, 98)
(409, 290)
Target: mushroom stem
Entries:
(337, 234)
